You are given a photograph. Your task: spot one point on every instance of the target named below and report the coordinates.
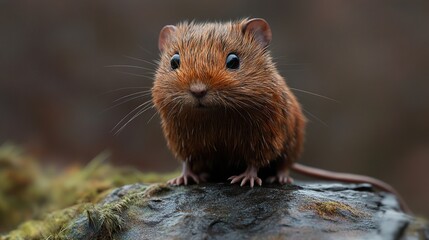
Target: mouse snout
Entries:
(198, 90)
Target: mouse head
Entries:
(214, 65)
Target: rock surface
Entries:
(86, 203)
(223, 211)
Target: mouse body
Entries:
(226, 112)
(225, 109)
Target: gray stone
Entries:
(224, 211)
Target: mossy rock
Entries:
(224, 211)
(29, 190)
(95, 202)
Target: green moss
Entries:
(20, 183)
(48, 228)
(29, 190)
(102, 220)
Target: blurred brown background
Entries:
(372, 56)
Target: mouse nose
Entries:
(198, 90)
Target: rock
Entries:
(87, 204)
(224, 211)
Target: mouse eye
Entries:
(175, 61)
(232, 61)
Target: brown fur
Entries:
(251, 118)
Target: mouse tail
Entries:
(349, 178)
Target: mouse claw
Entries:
(285, 179)
(234, 179)
(231, 178)
(250, 175)
(183, 179)
(244, 182)
(271, 179)
(195, 178)
(281, 178)
(171, 182)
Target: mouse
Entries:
(225, 110)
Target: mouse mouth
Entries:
(200, 105)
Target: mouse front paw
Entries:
(250, 175)
(184, 179)
(281, 178)
(187, 176)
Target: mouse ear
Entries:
(164, 35)
(260, 30)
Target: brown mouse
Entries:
(225, 110)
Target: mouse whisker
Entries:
(134, 117)
(136, 75)
(291, 64)
(221, 101)
(128, 66)
(141, 60)
(176, 102)
(153, 115)
(122, 102)
(279, 63)
(121, 89)
(294, 70)
(260, 106)
(147, 51)
(161, 107)
(143, 107)
(287, 58)
(141, 93)
(236, 109)
(314, 94)
(315, 117)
